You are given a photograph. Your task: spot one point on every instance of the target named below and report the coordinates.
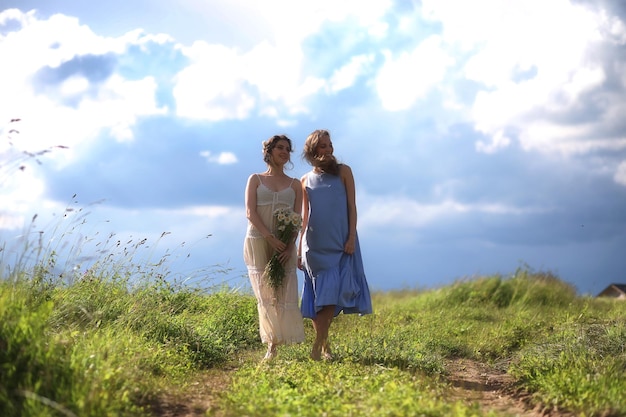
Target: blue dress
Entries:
(331, 276)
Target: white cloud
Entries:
(228, 83)
(120, 102)
(614, 29)
(403, 212)
(345, 76)
(566, 139)
(221, 83)
(115, 109)
(285, 21)
(536, 62)
(620, 174)
(205, 211)
(74, 85)
(498, 141)
(529, 108)
(411, 76)
(20, 189)
(45, 120)
(223, 158)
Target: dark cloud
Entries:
(95, 68)
(547, 199)
(614, 7)
(160, 61)
(162, 166)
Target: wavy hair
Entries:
(270, 144)
(326, 163)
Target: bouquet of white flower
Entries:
(287, 224)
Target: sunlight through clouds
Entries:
(221, 83)
(411, 76)
(224, 83)
(499, 121)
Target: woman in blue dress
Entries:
(329, 252)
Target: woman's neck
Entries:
(275, 172)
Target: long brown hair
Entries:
(326, 163)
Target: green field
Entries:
(101, 346)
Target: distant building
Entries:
(614, 291)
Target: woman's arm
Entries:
(304, 209)
(253, 215)
(348, 181)
(297, 204)
(297, 207)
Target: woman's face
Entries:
(281, 153)
(324, 146)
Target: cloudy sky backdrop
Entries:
(484, 136)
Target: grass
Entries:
(567, 351)
(120, 336)
(100, 346)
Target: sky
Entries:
(485, 137)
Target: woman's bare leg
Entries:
(327, 354)
(271, 351)
(321, 324)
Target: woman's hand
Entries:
(349, 245)
(284, 256)
(276, 243)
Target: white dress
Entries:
(280, 320)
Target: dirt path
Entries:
(493, 389)
(470, 381)
(198, 398)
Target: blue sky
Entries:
(484, 136)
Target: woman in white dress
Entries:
(280, 320)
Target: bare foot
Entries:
(271, 352)
(326, 353)
(316, 352)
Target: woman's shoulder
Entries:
(296, 183)
(254, 179)
(344, 169)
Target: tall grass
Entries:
(105, 344)
(99, 348)
(97, 328)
